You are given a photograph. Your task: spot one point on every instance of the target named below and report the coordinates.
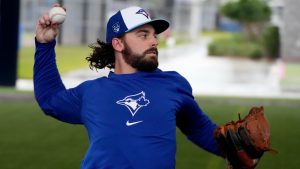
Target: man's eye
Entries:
(144, 35)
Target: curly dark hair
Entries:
(102, 55)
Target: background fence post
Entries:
(9, 37)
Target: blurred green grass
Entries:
(31, 140)
(68, 58)
(218, 35)
(293, 69)
(292, 75)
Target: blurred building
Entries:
(86, 19)
(290, 36)
(277, 7)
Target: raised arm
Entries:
(50, 92)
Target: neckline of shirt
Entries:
(131, 75)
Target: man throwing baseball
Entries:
(131, 115)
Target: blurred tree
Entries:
(271, 42)
(252, 14)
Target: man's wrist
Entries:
(37, 42)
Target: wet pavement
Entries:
(225, 75)
(220, 76)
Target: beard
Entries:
(140, 61)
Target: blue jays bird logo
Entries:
(134, 102)
(143, 12)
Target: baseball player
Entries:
(131, 115)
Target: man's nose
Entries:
(154, 41)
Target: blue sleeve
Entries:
(52, 96)
(194, 123)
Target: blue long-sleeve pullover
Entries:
(130, 119)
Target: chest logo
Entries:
(134, 102)
(132, 123)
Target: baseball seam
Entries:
(57, 14)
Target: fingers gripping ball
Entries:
(57, 15)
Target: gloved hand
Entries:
(244, 142)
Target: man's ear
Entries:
(117, 44)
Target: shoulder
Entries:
(178, 80)
(90, 84)
(177, 77)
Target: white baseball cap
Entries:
(130, 18)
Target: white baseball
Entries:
(57, 15)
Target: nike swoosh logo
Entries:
(132, 123)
